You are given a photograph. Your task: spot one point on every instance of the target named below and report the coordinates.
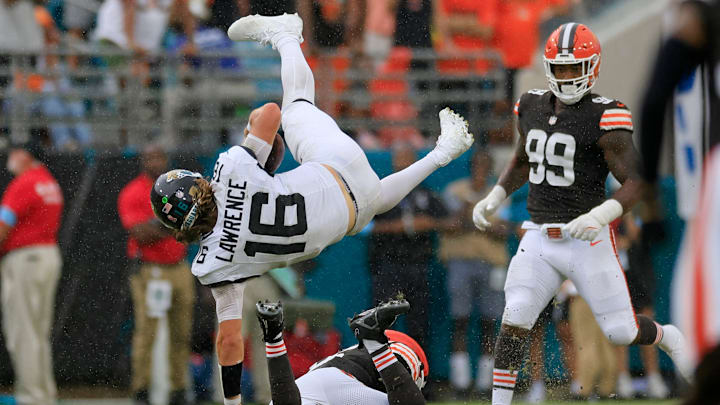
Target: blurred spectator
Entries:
(517, 34)
(476, 264)
(30, 214)
(258, 289)
(596, 371)
(19, 32)
(139, 25)
(161, 283)
(634, 255)
(54, 84)
(330, 23)
(401, 248)
(79, 19)
(466, 27)
(415, 20)
(379, 29)
(391, 105)
(267, 7)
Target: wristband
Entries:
(608, 211)
(261, 148)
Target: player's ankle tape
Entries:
(504, 378)
(231, 377)
(275, 349)
(383, 358)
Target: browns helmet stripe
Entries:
(566, 39)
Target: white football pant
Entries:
(542, 263)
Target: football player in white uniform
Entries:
(569, 140)
(249, 220)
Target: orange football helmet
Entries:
(412, 355)
(569, 44)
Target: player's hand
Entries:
(487, 206)
(588, 226)
(585, 227)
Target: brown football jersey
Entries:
(567, 168)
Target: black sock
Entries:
(509, 353)
(399, 384)
(231, 377)
(282, 381)
(649, 331)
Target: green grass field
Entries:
(634, 402)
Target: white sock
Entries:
(276, 349)
(503, 386)
(384, 359)
(297, 78)
(396, 186)
(460, 370)
(372, 345)
(501, 396)
(234, 401)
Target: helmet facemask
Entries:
(570, 91)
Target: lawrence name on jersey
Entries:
(249, 220)
(570, 139)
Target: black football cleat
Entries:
(371, 324)
(270, 316)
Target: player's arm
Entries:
(621, 158)
(676, 58)
(514, 176)
(261, 136)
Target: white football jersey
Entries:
(268, 221)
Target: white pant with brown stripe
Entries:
(29, 280)
(330, 386)
(543, 262)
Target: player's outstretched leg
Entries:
(369, 328)
(282, 382)
(284, 33)
(669, 339)
(453, 141)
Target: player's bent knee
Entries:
(620, 334)
(521, 309)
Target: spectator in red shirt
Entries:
(161, 287)
(30, 267)
(518, 36)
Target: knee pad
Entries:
(228, 301)
(521, 308)
(618, 331)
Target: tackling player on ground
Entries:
(386, 367)
(249, 220)
(569, 140)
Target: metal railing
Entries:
(112, 100)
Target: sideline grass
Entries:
(632, 402)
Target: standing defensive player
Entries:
(569, 140)
(386, 367)
(249, 221)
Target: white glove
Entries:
(588, 226)
(487, 206)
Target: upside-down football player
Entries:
(385, 367)
(569, 140)
(249, 220)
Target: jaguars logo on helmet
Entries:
(171, 200)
